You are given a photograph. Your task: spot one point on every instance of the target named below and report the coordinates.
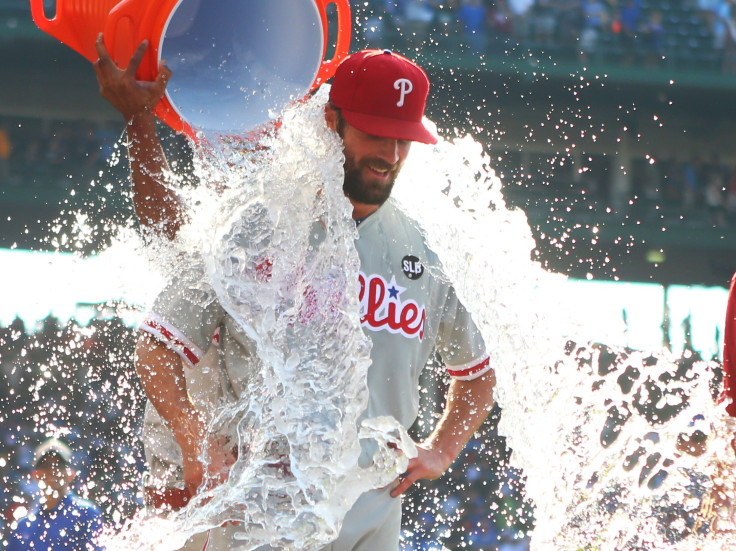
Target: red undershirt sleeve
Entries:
(729, 349)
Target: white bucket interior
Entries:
(237, 63)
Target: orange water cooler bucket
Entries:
(235, 63)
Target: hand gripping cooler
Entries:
(235, 63)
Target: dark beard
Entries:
(362, 192)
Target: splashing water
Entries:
(278, 251)
(604, 436)
(609, 440)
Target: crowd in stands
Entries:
(695, 33)
(479, 504)
(72, 382)
(77, 382)
(673, 33)
(692, 191)
(696, 189)
(42, 153)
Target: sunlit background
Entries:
(614, 137)
(632, 315)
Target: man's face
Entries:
(371, 165)
(54, 477)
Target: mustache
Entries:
(380, 164)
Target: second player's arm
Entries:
(161, 372)
(156, 204)
(467, 406)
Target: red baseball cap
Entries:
(383, 94)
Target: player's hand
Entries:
(429, 464)
(190, 432)
(119, 86)
(220, 456)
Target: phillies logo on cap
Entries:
(382, 94)
(405, 86)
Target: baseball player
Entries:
(408, 308)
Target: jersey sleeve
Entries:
(185, 316)
(729, 350)
(460, 343)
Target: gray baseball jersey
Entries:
(408, 309)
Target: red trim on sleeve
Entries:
(172, 340)
(470, 371)
(729, 349)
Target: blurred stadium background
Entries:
(610, 123)
(572, 137)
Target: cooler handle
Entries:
(66, 28)
(47, 25)
(123, 32)
(342, 46)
